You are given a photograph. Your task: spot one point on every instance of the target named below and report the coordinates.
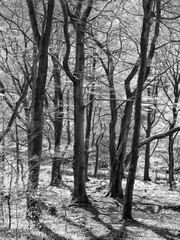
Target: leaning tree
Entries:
(145, 32)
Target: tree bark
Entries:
(148, 133)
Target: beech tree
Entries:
(41, 39)
(78, 17)
(146, 27)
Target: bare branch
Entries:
(33, 20)
(87, 11)
(158, 136)
(67, 39)
(15, 112)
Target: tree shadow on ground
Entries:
(166, 233)
(49, 233)
(123, 229)
(95, 213)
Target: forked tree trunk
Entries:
(127, 210)
(79, 21)
(120, 164)
(36, 136)
(117, 171)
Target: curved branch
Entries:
(67, 40)
(158, 136)
(15, 112)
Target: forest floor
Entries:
(156, 211)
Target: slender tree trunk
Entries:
(150, 120)
(89, 111)
(127, 210)
(171, 160)
(172, 125)
(147, 151)
(109, 70)
(58, 124)
(97, 143)
(68, 116)
(117, 171)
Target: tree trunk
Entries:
(147, 151)
(38, 96)
(151, 114)
(127, 210)
(79, 194)
(172, 125)
(97, 143)
(68, 116)
(171, 161)
(79, 23)
(58, 124)
(89, 111)
(117, 174)
(109, 70)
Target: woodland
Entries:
(89, 119)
